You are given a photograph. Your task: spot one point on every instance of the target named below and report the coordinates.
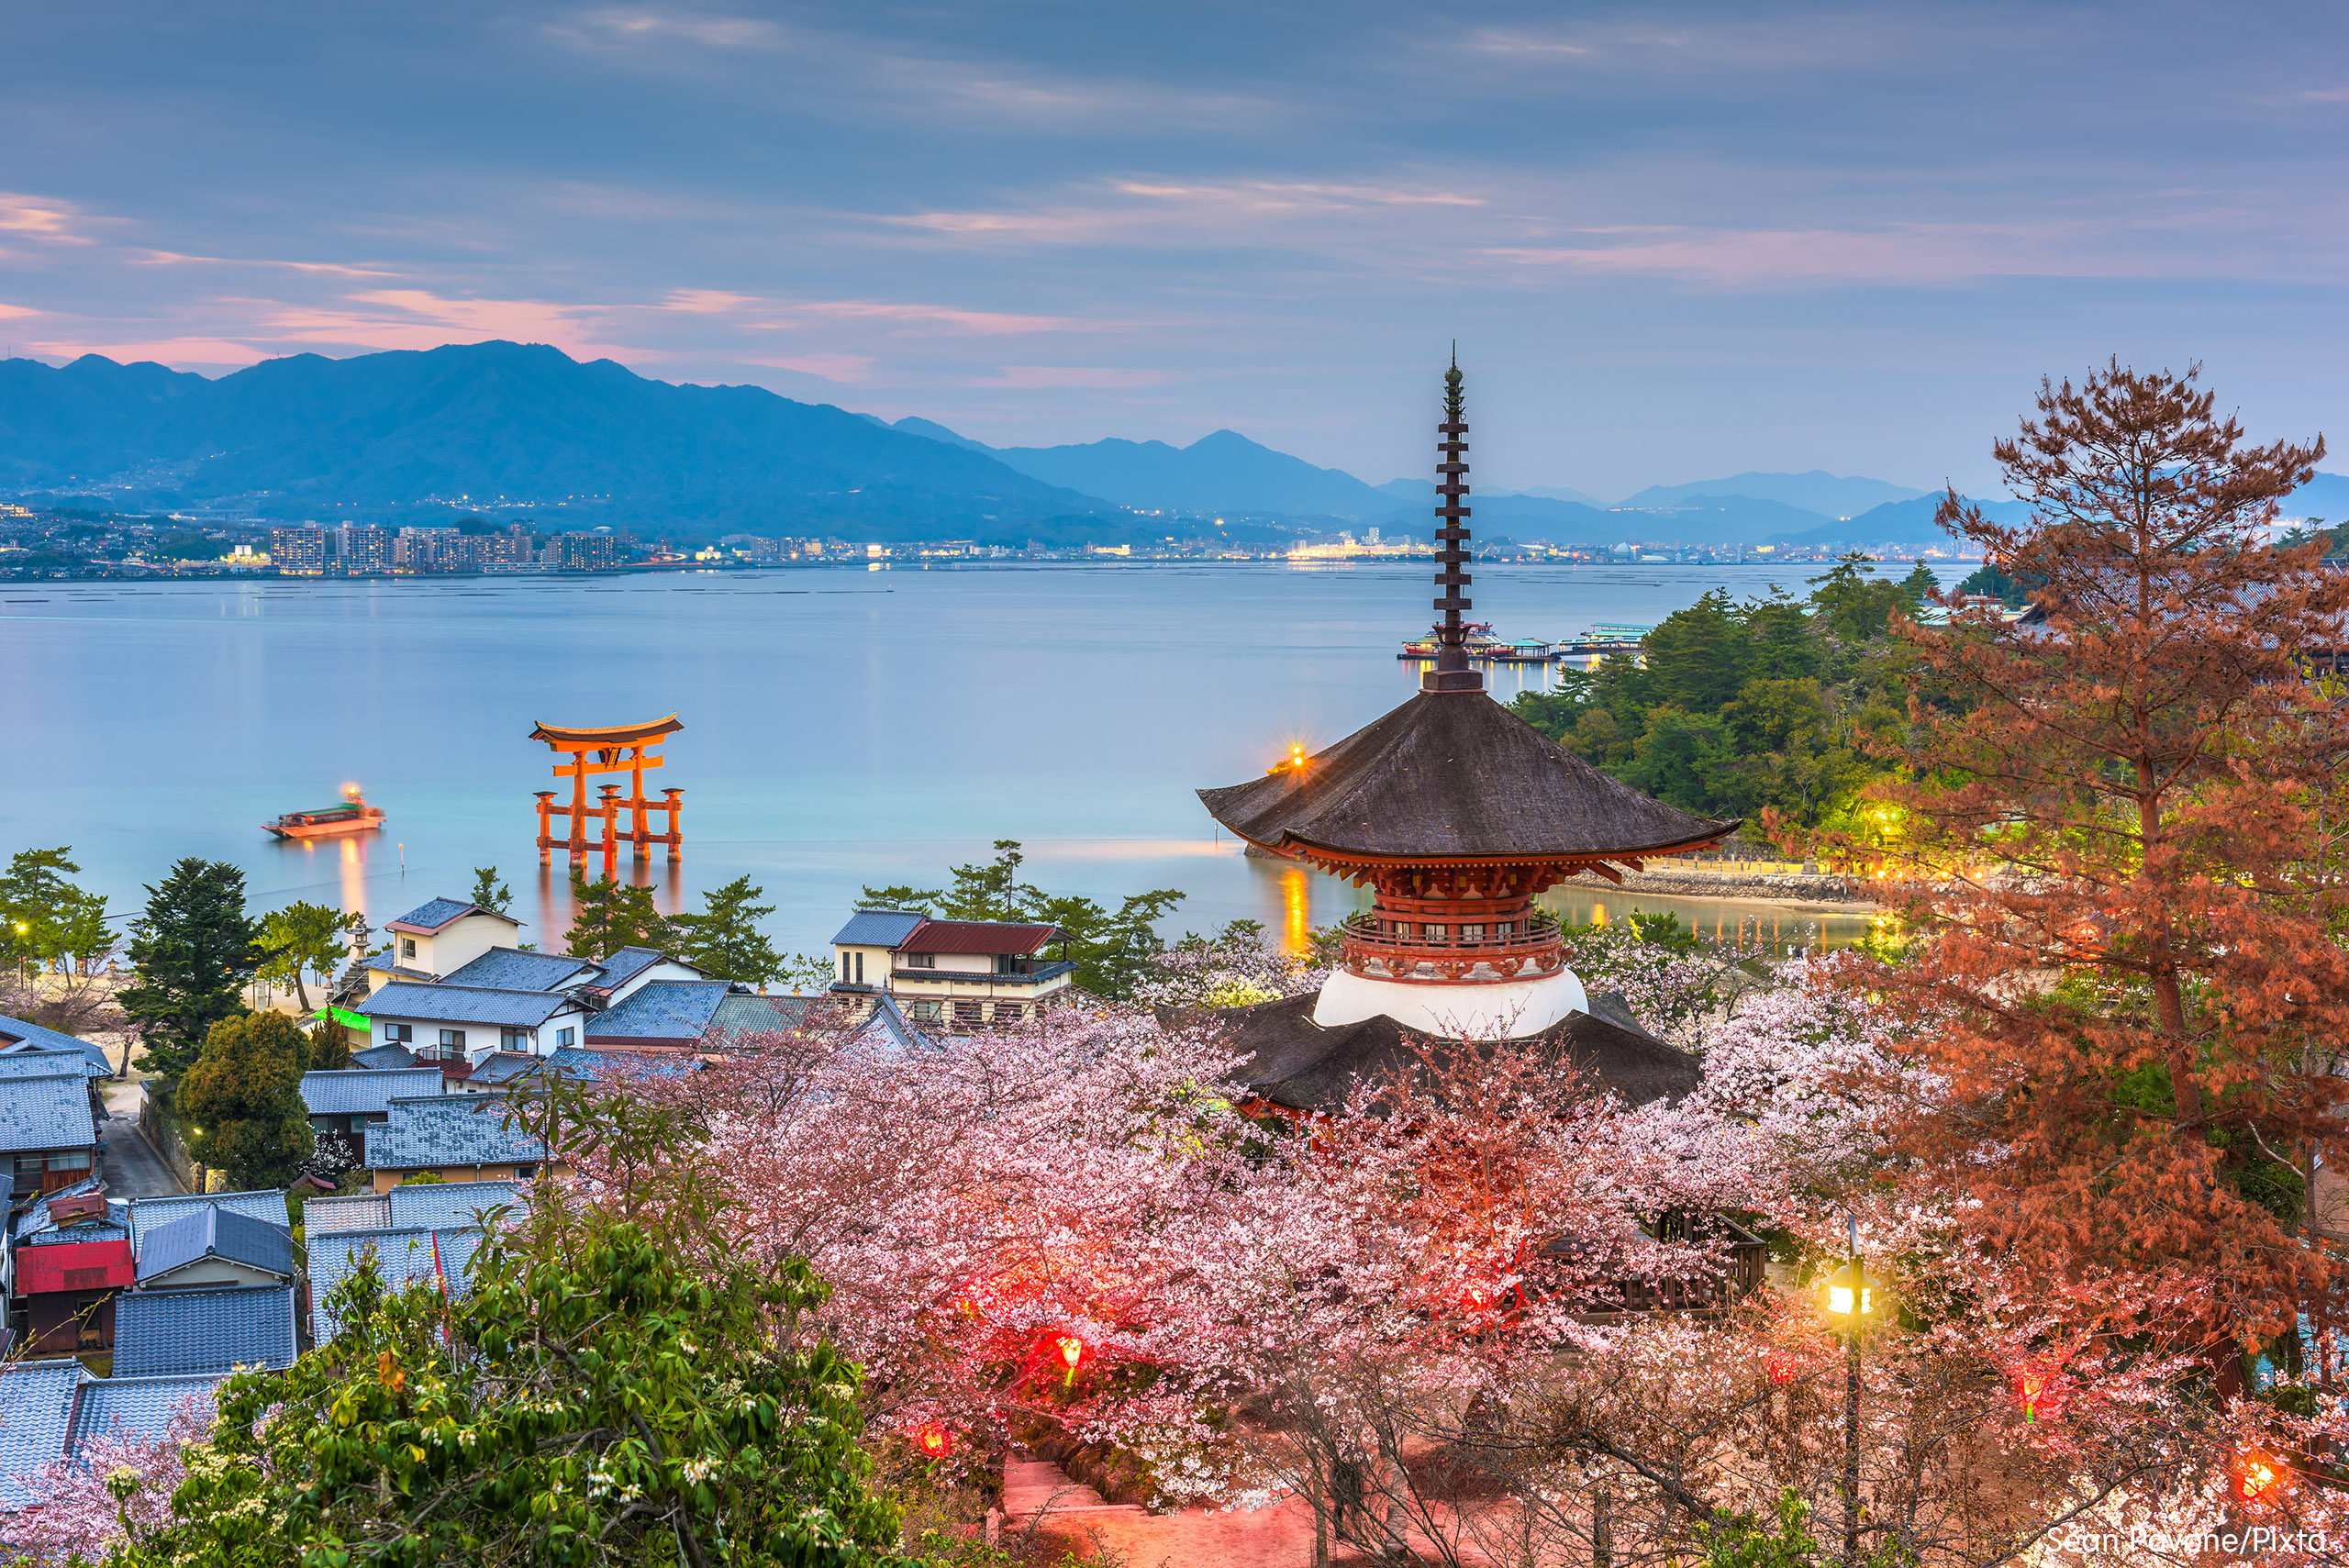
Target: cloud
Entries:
(1070, 375)
(1128, 211)
(39, 217)
(8, 312)
(624, 25)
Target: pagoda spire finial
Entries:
(1452, 672)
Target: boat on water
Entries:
(1481, 643)
(353, 816)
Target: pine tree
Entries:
(2123, 851)
(489, 893)
(724, 940)
(241, 1103)
(609, 916)
(304, 937)
(195, 948)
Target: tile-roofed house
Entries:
(602, 1066)
(377, 1058)
(215, 1246)
(45, 1124)
(165, 1333)
(35, 1414)
(516, 969)
(458, 1138)
(40, 1216)
(19, 1036)
(148, 1214)
(68, 1290)
(118, 1408)
(440, 937)
(437, 1206)
(955, 975)
(340, 1099)
(659, 1013)
(458, 1023)
(402, 1257)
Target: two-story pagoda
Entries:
(1455, 813)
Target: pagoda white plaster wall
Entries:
(1499, 1009)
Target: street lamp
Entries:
(1851, 1299)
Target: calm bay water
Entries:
(841, 727)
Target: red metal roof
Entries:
(73, 1265)
(977, 936)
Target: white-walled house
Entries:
(436, 939)
(952, 973)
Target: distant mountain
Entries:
(1422, 491)
(1817, 492)
(1559, 493)
(1222, 473)
(1711, 519)
(913, 425)
(1898, 522)
(2326, 496)
(492, 422)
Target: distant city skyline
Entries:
(1674, 244)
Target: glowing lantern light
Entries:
(1842, 1284)
(934, 1441)
(2259, 1478)
(1071, 1350)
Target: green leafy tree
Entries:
(329, 1046)
(302, 938)
(606, 1395)
(489, 892)
(611, 915)
(724, 940)
(1110, 948)
(44, 918)
(241, 1103)
(195, 948)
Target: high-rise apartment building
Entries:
(363, 551)
(299, 552)
(587, 552)
(428, 551)
(505, 551)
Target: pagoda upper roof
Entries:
(1451, 776)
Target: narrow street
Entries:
(132, 1167)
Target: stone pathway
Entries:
(1076, 1516)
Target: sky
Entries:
(1672, 241)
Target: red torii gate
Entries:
(622, 749)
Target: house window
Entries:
(399, 1034)
(524, 1172)
(452, 1042)
(1008, 1013)
(924, 1012)
(967, 1014)
(860, 969)
(407, 947)
(848, 973)
(1012, 963)
(562, 1037)
(1472, 933)
(1433, 933)
(70, 1160)
(922, 960)
(513, 1039)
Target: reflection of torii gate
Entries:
(622, 749)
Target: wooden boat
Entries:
(353, 815)
(1481, 644)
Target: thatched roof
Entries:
(1455, 775)
(1295, 1063)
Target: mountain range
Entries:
(507, 425)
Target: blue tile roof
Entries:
(451, 1130)
(750, 1014)
(380, 1058)
(50, 1112)
(35, 1411)
(22, 1063)
(463, 1004)
(878, 928)
(216, 1233)
(17, 1035)
(431, 917)
(661, 1009)
(118, 1407)
(321, 1216)
(173, 1333)
(503, 1067)
(402, 1257)
(618, 1066)
(366, 1092)
(148, 1214)
(629, 963)
(37, 1217)
(436, 1205)
(511, 969)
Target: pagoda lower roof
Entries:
(615, 735)
(1454, 776)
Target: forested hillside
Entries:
(1745, 705)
